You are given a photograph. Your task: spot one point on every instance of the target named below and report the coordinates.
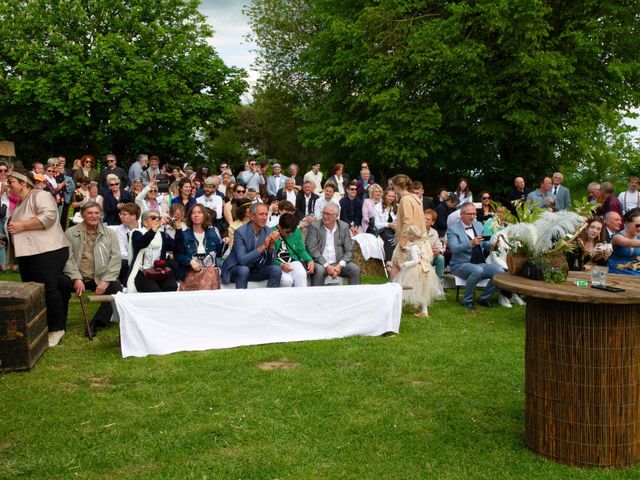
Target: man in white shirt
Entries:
(211, 199)
(329, 244)
(129, 216)
(563, 196)
(276, 181)
(631, 198)
(315, 176)
(328, 196)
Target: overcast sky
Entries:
(230, 27)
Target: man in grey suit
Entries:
(330, 245)
(467, 256)
(563, 196)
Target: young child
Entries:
(418, 274)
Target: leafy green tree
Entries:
(487, 89)
(92, 76)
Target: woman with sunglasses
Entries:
(237, 191)
(486, 210)
(114, 197)
(86, 169)
(241, 216)
(149, 244)
(39, 245)
(150, 199)
(626, 246)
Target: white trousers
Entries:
(295, 278)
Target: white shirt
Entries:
(214, 202)
(200, 242)
(329, 252)
(322, 202)
(629, 200)
(291, 196)
(124, 234)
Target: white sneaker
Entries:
(517, 299)
(54, 337)
(504, 301)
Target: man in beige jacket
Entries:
(93, 264)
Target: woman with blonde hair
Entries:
(409, 213)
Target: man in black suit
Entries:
(612, 224)
(306, 202)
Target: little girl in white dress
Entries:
(417, 275)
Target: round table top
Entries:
(568, 291)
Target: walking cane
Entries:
(86, 319)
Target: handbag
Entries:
(158, 272)
(206, 279)
(371, 228)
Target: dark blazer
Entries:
(317, 239)
(140, 241)
(110, 206)
(282, 195)
(300, 205)
(345, 180)
(102, 178)
(245, 250)
(186, 247)
(351, 211)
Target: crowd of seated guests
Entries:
(185, 223)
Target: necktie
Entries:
(555, 190)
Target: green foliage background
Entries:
(489, 89)
(120, 76)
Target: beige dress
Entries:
(409, 213)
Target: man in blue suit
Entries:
(467, 255)
(251, 258)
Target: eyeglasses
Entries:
(353, 188)
(110, 160)
(239, 191)
(50, 171)
(3, 170)
(87, 161)
(485, 198)
(153, 217)
(637, 225)
(114, 184)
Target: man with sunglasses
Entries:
(112, 167)
(351, 209)
(253, 177)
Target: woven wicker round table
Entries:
(582, 369)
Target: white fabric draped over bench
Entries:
(168, 322)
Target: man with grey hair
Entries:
(288, 192)
(112, 167)
(594, 192)
(563, 196)
(330, 245)
(93, 264)
(612, 224)
(137, 168)
(609, 200)
(251, 257)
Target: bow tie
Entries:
(468, 228)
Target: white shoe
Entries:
(54, 337)
(517, 299)
(504, 301)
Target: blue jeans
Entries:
(473, 273)
(241, 275)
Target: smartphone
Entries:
(608, 288)
(486, 237)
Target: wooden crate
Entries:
(23, 325)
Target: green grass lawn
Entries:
(443, 400)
